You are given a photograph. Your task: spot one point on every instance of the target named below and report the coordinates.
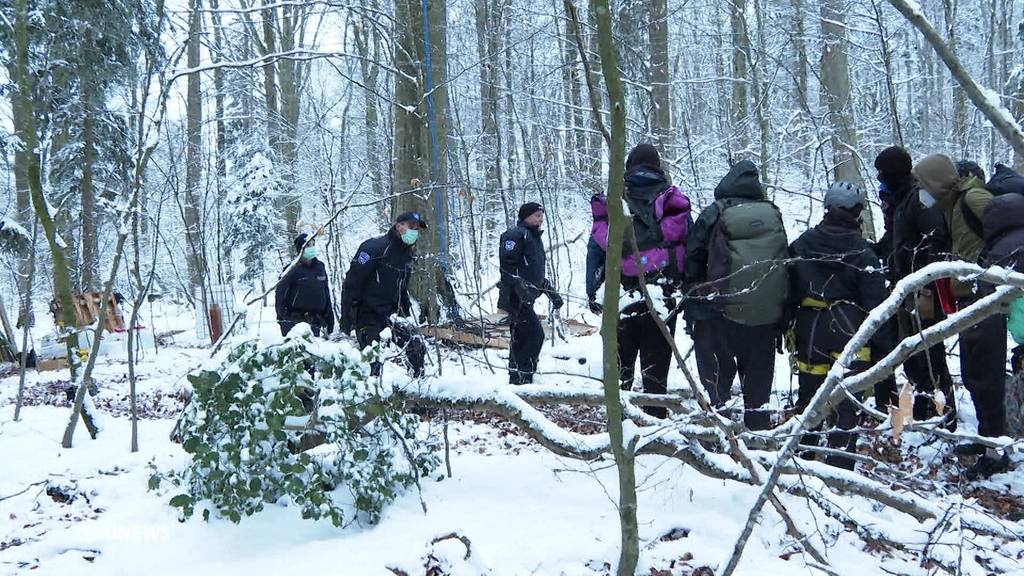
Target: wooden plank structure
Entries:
(494, 331)
(87, 310)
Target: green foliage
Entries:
(245, 454)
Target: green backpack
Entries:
(747, 262)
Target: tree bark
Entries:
(28, 134)
(194, 159)
(661, 87)
(88, 238)
(623, 449)
(740, 53)
(421, 151)
(20, 110)
(835, 85)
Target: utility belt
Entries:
(862, 355)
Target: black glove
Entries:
(556, 300)
(595, 306)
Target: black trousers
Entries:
(821, 334)
(368, 331)
(927, 371)
(527, 340)
(724, 348)
(983, 366)
(639, 336)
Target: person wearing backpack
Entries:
(1003, 221)
(595, 251)
(919, 237)
(983, 346)
(735, 277)
(661, 218)
(522, 260)
(835, 280)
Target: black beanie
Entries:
(643, 155)
(894, 162)
(528, 209)
(300, 242)
(968, 168)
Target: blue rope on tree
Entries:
(434, 153)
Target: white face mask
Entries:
(926, 199)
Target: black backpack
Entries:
(1005, 180)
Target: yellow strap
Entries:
(814, 369)
(864, 354)
(809, 302)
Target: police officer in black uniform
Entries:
(377, 287)
(303, 294)
(521, 258)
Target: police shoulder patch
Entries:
(363, 257)
(510, 245)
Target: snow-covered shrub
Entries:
(252, 218)
(243, 430)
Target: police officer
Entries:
(377, 287)
(521, 258)
(303, 294)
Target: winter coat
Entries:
(919, 234)
(521, 258)
(1005, 181)
(741, 184)
(832, 264)
(597, 245)
(377, 283)
(1003, 220)
(303, 295)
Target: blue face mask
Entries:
(309, 253)
(410, 236)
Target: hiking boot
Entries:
(969, 449)
(986, 466)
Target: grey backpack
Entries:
(747, 255)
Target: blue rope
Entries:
(434, 153)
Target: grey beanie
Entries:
(843, 195)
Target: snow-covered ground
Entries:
(521, 509)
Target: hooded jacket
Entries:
(938, 176)
(1003, 220)
(741, 184)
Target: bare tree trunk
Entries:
(368, 43)
(289, 74)
(949, 10)
(890, 88)
(992, 110)
(23, 203)
(421, 150)
(740, 53)
(28, 134)
(194, 159)
(623, 449)
(23, 363)
(661, 87)
(223, 264)
(835, 84)
(88, 238)
(488, 22)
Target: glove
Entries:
(595, 306)
(556, 300)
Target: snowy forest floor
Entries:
(523, 510)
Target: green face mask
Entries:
(309, 253)
(410, 236)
